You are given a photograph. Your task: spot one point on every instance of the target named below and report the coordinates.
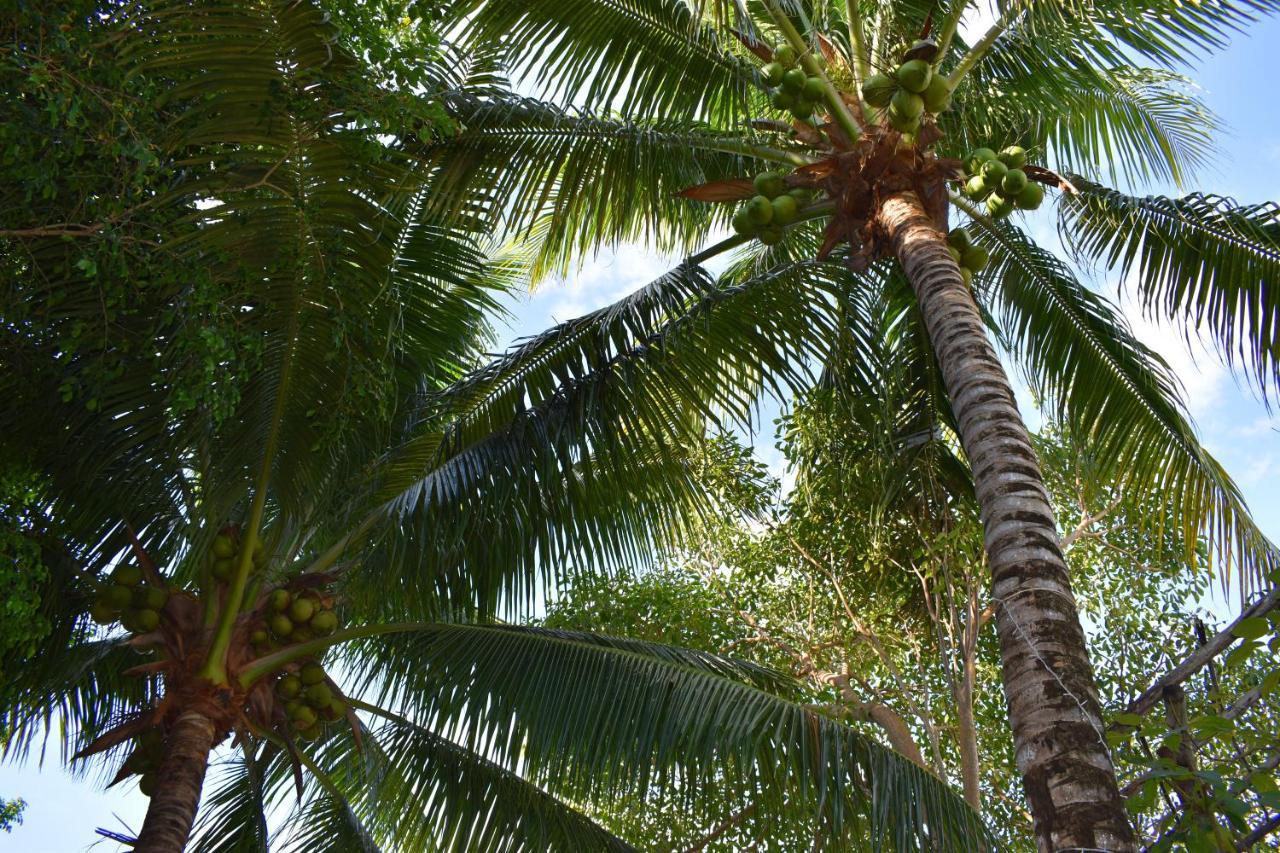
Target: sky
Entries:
(1237, 84)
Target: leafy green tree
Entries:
(653, 111)
(240, 353)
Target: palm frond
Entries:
(1203, 260)
(1119, 397)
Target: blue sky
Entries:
(1238, 84)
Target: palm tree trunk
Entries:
(177, 795)
(1054, 711)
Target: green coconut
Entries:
(914, 75)
(814, 89)
(311, 673)
(999, 206)
(772, 73)
(302, 633)
(331, 713)
(770, 234)
(977, 188)
(144, 620)
(770, 184)
(302, 610)
(1013, 182)
(977, 157)
(223, 546)
(281, 625)
(785, 54)
(127, 574)
(117, 596)
(324, 623)
(224, 568)
(782, 100)
(1015, 156)
(937, 97)
(259, 637)
(907, 104)
(976, 258)
(1031, 197)
(289, 686)
(760, 210)
(319, 695)
(742, 223)
(102, 613)
(878, 89)
(966, 275)
(901, 123)
(151, 597)
(147, 784)
(955, 254)
(280, 600)
(802, 195)
(994, 171)
(785, 210)
(303, 717)
(803, 109)
(793, 81)
(959, 238)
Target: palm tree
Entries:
(652, 108)
(241, 407)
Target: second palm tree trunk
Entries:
(1058, 731)
(177, 795)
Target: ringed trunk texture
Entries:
(177, 795)
(1066, 768)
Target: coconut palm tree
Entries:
(243, 410)
(874, 117)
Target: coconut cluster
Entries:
(794, 91)
(124, 598)
(999, 180)
(774, 207)
(225, 555)
(309, 699)
(970, 258)
(910, 91)
(145, 760)
(294, 618)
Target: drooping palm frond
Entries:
(640, 57)
(1201, 258)
(603, 716)
(577, 438)
(233, 816)
(1118, 396)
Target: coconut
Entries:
(770, 184)
(967, 275)
(977, 157)
(117, 596)
(906, 104)
(785, 54)
(803, 110)
(302, 634)
(814, 89)
(144, 620)
(289, 686)
(102, 613)
(959, 238)
(259, 637)
(977, 188)
(802, 195)
(303, 717)
(955, 254)
(223, 546)
(878, 89)
(280, 600)
(1015, 157)
(976, 258)
(259, 555)
(224, 568)
(772, 73)
(914, 75)
(331, 713)
(901, 123)
(760, 210)
(999, 206)
(127, 574)
(742, 223)
(937, 97)
(1031, 196)
(793, 81)
(783, 100)
(147, 784)
(1014, 182)
(281, 625)
(994, 171)
(151, 597)
(770, 234)
(785, 210)
(302, 610)
(319, 695)
(324, 623)
(311, 673)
